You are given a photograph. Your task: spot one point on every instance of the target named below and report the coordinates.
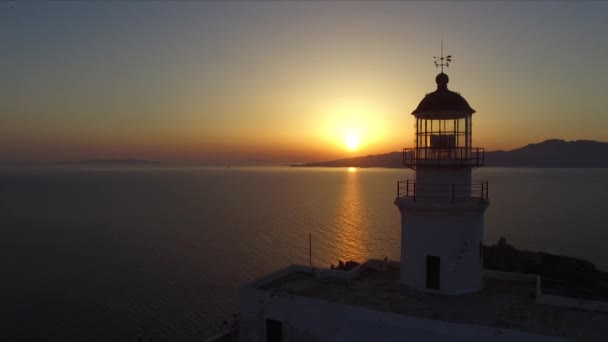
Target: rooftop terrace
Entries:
(503, 303)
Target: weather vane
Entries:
(442, 61)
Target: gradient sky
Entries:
(288, 81)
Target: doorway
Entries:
(432, 272)
(274, 331)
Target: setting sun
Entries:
(352, 141)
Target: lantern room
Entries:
(443, 130)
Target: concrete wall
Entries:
(573, 303)
(453, 236)
(228, 335)
(437, 181)
(492, 274)
(569, 302)
(307, 319)
(541, 298)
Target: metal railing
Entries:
(455, 156)
(448, 192)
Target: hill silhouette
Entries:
(549, 153)
(97, 162)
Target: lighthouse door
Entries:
(432, 272)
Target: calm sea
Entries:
(113, 254)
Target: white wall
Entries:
(442, 182)
(306, 319)
(454, 236)
(569, 302)
(443, 175)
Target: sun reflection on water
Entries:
(351, 233)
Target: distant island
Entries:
(92, 162)
(549, 153)
(110, 162)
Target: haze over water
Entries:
(111, 254)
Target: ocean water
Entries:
(114, 254)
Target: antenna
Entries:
(442, 61)
(310, 250)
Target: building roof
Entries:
(503, 303)
(443, 103)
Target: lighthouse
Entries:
(442, 208)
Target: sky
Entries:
(224, 82)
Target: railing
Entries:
(448, 192)
(456, 156)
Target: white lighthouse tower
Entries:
(442, 208)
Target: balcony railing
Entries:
(456, 156)
(446, 192)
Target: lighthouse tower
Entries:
(442, 208)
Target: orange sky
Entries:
(289, 82)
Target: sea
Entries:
(158, 253)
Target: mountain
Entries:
(549, 153)
(553, 153)
(97, 162)
(89, 162)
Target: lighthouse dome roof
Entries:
(443, 103)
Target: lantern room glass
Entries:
(443, 138)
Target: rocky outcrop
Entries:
(561, 275)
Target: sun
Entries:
(352, 142)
